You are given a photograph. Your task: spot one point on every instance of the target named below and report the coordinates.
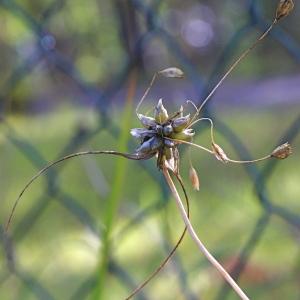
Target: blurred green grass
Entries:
(61, 252)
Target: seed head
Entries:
(162, 134)
(282, 151)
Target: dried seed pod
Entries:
(219, 153)
(284, 8)
(194, 179)
(147, 121)
(282, 151)
(160, 113)
(180, 123)
(172, 73)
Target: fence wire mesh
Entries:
(45, 56)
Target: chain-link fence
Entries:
(47, 56)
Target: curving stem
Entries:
(198, 242)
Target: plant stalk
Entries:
(198, 242)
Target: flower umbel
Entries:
(162, 134)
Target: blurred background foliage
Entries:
(71, 75)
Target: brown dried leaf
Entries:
(194, 179)
(282, 151)
(284, 8)
(219, 153)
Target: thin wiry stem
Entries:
(211, 126)
(165, 261)
(126, 155)
(191, 144)
(249, 161)
(228, 159)
(146, 93)
(198, 242)
(233, 66)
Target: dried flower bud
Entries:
(284, 8)
(147, 121)
(160, 113)
(219, 153)
(180, 123)
(282, 151)
(172, 73)
(194, 179)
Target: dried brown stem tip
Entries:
(282, 151)
(284, 8)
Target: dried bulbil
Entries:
(194, 179)
(282, 151)
(284, 8)
(219, 153)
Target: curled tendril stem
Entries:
(212, 152)
(165, 261)
(126, 155)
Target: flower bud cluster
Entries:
(162, 133)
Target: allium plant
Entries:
(160, 137)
